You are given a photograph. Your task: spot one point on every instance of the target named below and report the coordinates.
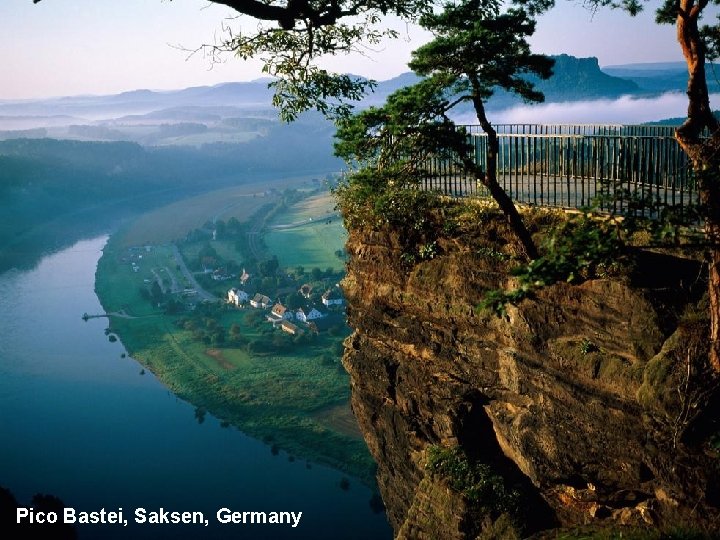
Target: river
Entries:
(83, 423)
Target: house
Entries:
(280, 312)
(237, 297)
(306, 290)
(244, 277)
(306, 315)
(260, 301)
(332, 297)
(290, 328)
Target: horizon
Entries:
(261, 79)
(55, 50)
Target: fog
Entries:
(624, 110)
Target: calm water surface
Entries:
(80, 422)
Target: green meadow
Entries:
(308, 234)
(290, 392)
(173, 222)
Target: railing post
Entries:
(568, 165)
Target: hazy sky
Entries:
(69, 47)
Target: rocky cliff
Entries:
(584, 405)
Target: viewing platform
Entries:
(570, 166)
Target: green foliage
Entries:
(306, 31)
(367, 201)
(491, 253)
(399, 137)
(475, 480)
(645, 214)
(254, 318)
(586, 347)
(578, 249)
(428, 251)
(269, 267)
(478, 48)
(416, 215)
(294, 96)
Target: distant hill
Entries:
(234, 94)
(641, 67)
(657, 77)
(573, 79)
(675, 121)
(240, 112)
(581, 78)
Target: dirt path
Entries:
(202, 293)
(217, 355)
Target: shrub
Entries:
(477, 481)
(586, 347)
(574, 251)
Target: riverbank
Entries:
(85, 423)
(279, 395)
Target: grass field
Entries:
(316, 206)
(296, 399)
(120, 285)
(312, 243)
(174, 221)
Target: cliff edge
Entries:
(584, 405)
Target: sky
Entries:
(72, 47)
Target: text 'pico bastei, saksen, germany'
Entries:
(160, 516)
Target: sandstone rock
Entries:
(521, 393)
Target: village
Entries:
(191, 280)
(282, 317)
(261, 287)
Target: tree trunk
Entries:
(489, 180)
(704, 154)
(714, 292)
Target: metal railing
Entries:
(618, 168)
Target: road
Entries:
(201, 293)
(174, 285)
(254, 240)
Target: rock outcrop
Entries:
(586, 398)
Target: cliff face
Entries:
(587, 397)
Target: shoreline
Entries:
(304, 432)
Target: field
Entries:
(309, 234)
(289, 392)
(174, 221)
